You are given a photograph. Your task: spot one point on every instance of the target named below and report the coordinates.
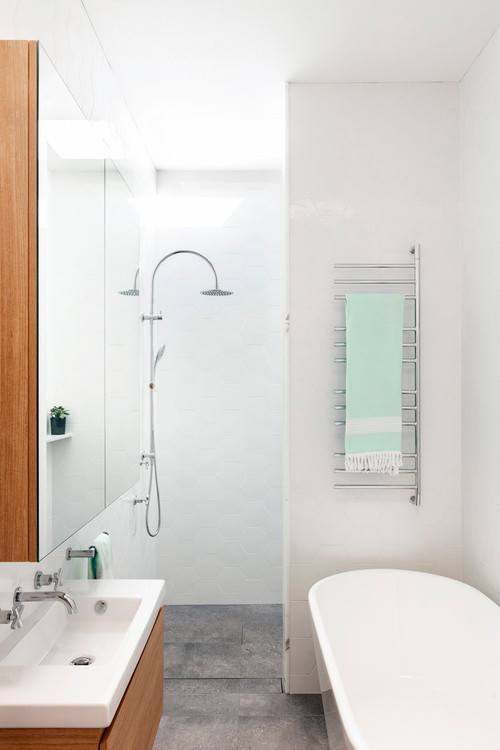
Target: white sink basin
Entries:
(39, 687)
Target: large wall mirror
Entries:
(88, 333)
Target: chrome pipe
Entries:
(374, 281)
(374, 265)
(405, 455)
(416, 253)
(404, 424)
(375, 486)
(342, 328)
(405, 393)
(344, 343)
(71, 554)
(404, 408)
(344, 360)
(401, 471)
(407, 296)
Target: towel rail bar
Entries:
(374, 282)
(405, 455)
(405, 393)
(377, 487)
(412, 297)
(412, 326)
(405, 343)
(401, 471)
(405, 424)
(403, 408)
(375, 265)
(344, 360)
(342, 328)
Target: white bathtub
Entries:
(413, 660)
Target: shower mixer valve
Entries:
(146, 459)
(153, 316)
(137, 500)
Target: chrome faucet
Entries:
(21, 597)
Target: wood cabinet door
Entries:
(18, 295)
(136, 721)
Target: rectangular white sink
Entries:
(40, 687)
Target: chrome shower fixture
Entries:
(131, 292)
(153, 363)
(216, 293)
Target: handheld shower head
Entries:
(159, 355)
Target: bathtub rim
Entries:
(346, 715)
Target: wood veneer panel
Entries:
(14, 294)
(33, 301)
(136, 721)
(50, 739)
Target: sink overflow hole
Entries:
(100, 607)
(82, 661)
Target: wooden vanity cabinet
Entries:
(136, 720)
(18, 301)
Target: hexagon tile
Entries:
(220, 400)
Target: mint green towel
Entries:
(101, 565)
(374, 346)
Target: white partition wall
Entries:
(219, 398)
(372, 169)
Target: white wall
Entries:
(480, 228)
(64, 30)
(373, 168)
(220, 396)
(132, 553)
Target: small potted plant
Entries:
(58, 416)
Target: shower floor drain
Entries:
(82, 661)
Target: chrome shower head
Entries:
(216, 293)
(131, 292)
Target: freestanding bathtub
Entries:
(412, 661)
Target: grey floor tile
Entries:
(281, 705)
(203, 623)
(204, 686)
(263, 623)
(261, 659)
(257, 615)
(214, 704)
(197, 733)
(207, 686)
(278, 733)
(263, 686)
(202, 660)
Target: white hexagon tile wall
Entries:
(372, 169)
(219, 399)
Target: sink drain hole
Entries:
(82, 661)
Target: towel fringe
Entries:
(381, 462)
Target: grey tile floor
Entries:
(222, 687)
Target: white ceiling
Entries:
(204, 79)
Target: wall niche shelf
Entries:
(54, 438)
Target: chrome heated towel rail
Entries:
(376, 278)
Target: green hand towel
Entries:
(374, 346)
(101, 565)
